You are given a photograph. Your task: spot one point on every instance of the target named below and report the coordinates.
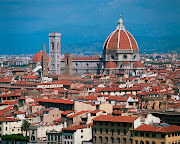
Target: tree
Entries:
(25, 126)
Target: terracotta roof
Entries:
(18, 112)
(111, 118)
(76, 114)
(138, 64)
(3, 119)
(125, 63)
(165, 129)
(90, 97)
(29, 77)
(56, 101)
(120, 39)
(74, 127)
(67, 112)
(95, 111)
(38, 57)
(110, 64)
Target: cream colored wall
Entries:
(79, 106)
(172, 139)
(53, 115)
(15, 125)
(106, 107)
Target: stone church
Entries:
(120, 56)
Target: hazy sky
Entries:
(25, 24)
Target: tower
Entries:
(68, 63)
(44, 62)
(54, 53)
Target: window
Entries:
(118, 140)
(52, 46)
(112, 57)
(124, 124)
(162, 142)
(112, 124)
(81, 131)
(153, 142)
(100, 138)
(100, 130)
(106, 139)
(147, 142)
(112, 139)
(118, 124)
(153, 135)
(136, 133)
(81, 136)
(52, 138)
(118, 131)
(106, 123)
(0, 128)
(124, 139)
(141, 142)
(136, 141)
(124, 56)
(142, 134)
(124, 132)
(112, 130)
(95, 138)
(100, 123)
(163, 135)
(147, 134)
(169, 135)
(106, 131)
(6, 128)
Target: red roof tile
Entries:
(165, 129)
(111, 118)
(74, 127)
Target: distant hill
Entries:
(146, 45)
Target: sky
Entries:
(25, 24)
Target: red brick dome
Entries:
(138, 64)
(120, 39)
(125, 63)
(110, 64)
(38, 57)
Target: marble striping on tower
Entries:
(55, 53)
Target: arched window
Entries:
(153, 142)
(147, 142)
(136, 141)
(52, 46)
(100, 139)
(94, 138)
(141, 142)
(33, 138)
(112, 139)
(106, 139)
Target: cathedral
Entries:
(120, 56)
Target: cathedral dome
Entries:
(120, 39)
(38, 57)
(111, 64)
(138, 64)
